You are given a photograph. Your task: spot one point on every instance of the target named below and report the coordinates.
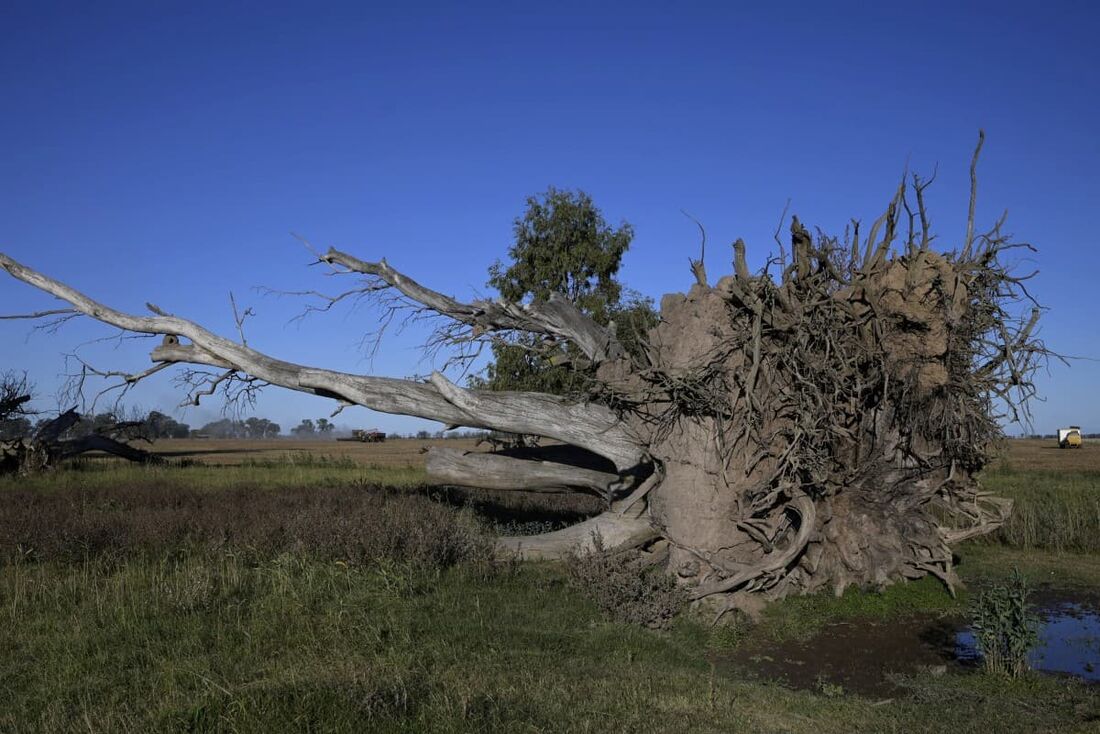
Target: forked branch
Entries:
(557, 317)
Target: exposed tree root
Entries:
(817, 424)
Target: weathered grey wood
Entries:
(51, 431)
(774, 561)
(46, 448)
(492, 471)
(587, 425)
(814, 429)
(614, 531)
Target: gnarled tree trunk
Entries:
(815, 428)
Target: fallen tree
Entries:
(47, 445)
(816, 424)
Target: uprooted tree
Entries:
(816, 424)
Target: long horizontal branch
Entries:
(557, 317)
(615, 532)
(589, 426)
(492, 471)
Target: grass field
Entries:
(214, 464)
(283, 590)
(1056, 493)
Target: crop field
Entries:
(403, 452)
(1035, 454)
(321, 586)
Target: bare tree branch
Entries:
(556, 317)
(38, 314)
(973, 194)
(587, 425)
(493, 471)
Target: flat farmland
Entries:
(225, 463)
(407, 452)
(1043, 454)
(1017, 455)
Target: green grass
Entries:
(802, 617)
(1052, 511)
(982, 563)
(204, 638)
(210, 643)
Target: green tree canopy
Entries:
(304, 429)
(562, 244)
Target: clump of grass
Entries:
(1005, 627)
(305, 459)
(625, 588)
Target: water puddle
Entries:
(1069, 642)
(864, 656)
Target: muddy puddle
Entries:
(865, 657)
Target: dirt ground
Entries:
(396, 452)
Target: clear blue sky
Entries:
(165, 151)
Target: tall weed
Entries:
(1005, 626)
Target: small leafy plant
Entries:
(1005, 626)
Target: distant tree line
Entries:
(445, 434)
(308, 428)
(155, 425)
(18, 421)
(232, 428)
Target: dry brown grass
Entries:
(398, 452)
(1017, 454)
(1043, 454)
(355, 525)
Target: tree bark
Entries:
(74, 447)
(45, 448)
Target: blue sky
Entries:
(165, 152)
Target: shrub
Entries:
(626, 588)
(1005, 627)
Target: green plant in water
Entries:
(1005, 627)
